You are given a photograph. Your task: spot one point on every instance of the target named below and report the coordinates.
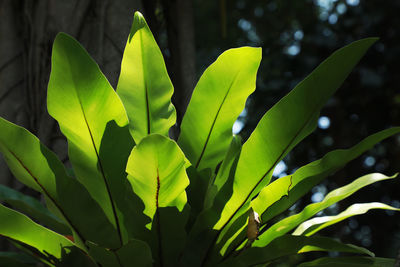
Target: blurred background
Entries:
(295, 37)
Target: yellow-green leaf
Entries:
(144, 85)
(219, 97)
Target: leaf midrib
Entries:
(259, 181)
(103, 176)
(334, 196)
(48, 195)
(349, 154)
(272, 166)
(215, 119)
(160, 254)
(147, 104)
(95, 149)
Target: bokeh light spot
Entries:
(324, 122)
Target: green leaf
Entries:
(47, 259)
(197, 190)
(350, 262)
(39, 168)
(169, 235)
(284, 192)
(33, 208)
(160, 180)
(219, 97)
(223, 174)
(16, 259)
(290, 245)
(144, 85)
(224, 171)
(157, 177)
(72, 256)
(19, 227)
(314, 225)
(93, 119)
(281, 128)
(282, 227)
(134, 253)
(286, 124)
(202, 235)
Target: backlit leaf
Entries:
(144, 85)
(219, 97)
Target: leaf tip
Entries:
(374, 39)
(61, 36)
(369, 40)
(138, 23)
(63, 41)
(138, 15)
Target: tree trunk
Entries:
(181, 63)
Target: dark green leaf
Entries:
(33, 208)
(290, 245)
(201, 238)
(197, 190)
(350, 262)
(134, 253)
(16, 259)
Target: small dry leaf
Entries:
(253, 225)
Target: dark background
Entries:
(295, 36)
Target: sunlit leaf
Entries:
(314, 225)
(290, 245)
(160, 180)
(282, 193)
(289, 223)
(286, 124)
(93, 119)
(281, 128)
(144, 85)
(33, 208)
(218, 99)
(39, 168)
(18, 227)
(285, 191)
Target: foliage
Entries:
(138, 198)
(299, 35)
